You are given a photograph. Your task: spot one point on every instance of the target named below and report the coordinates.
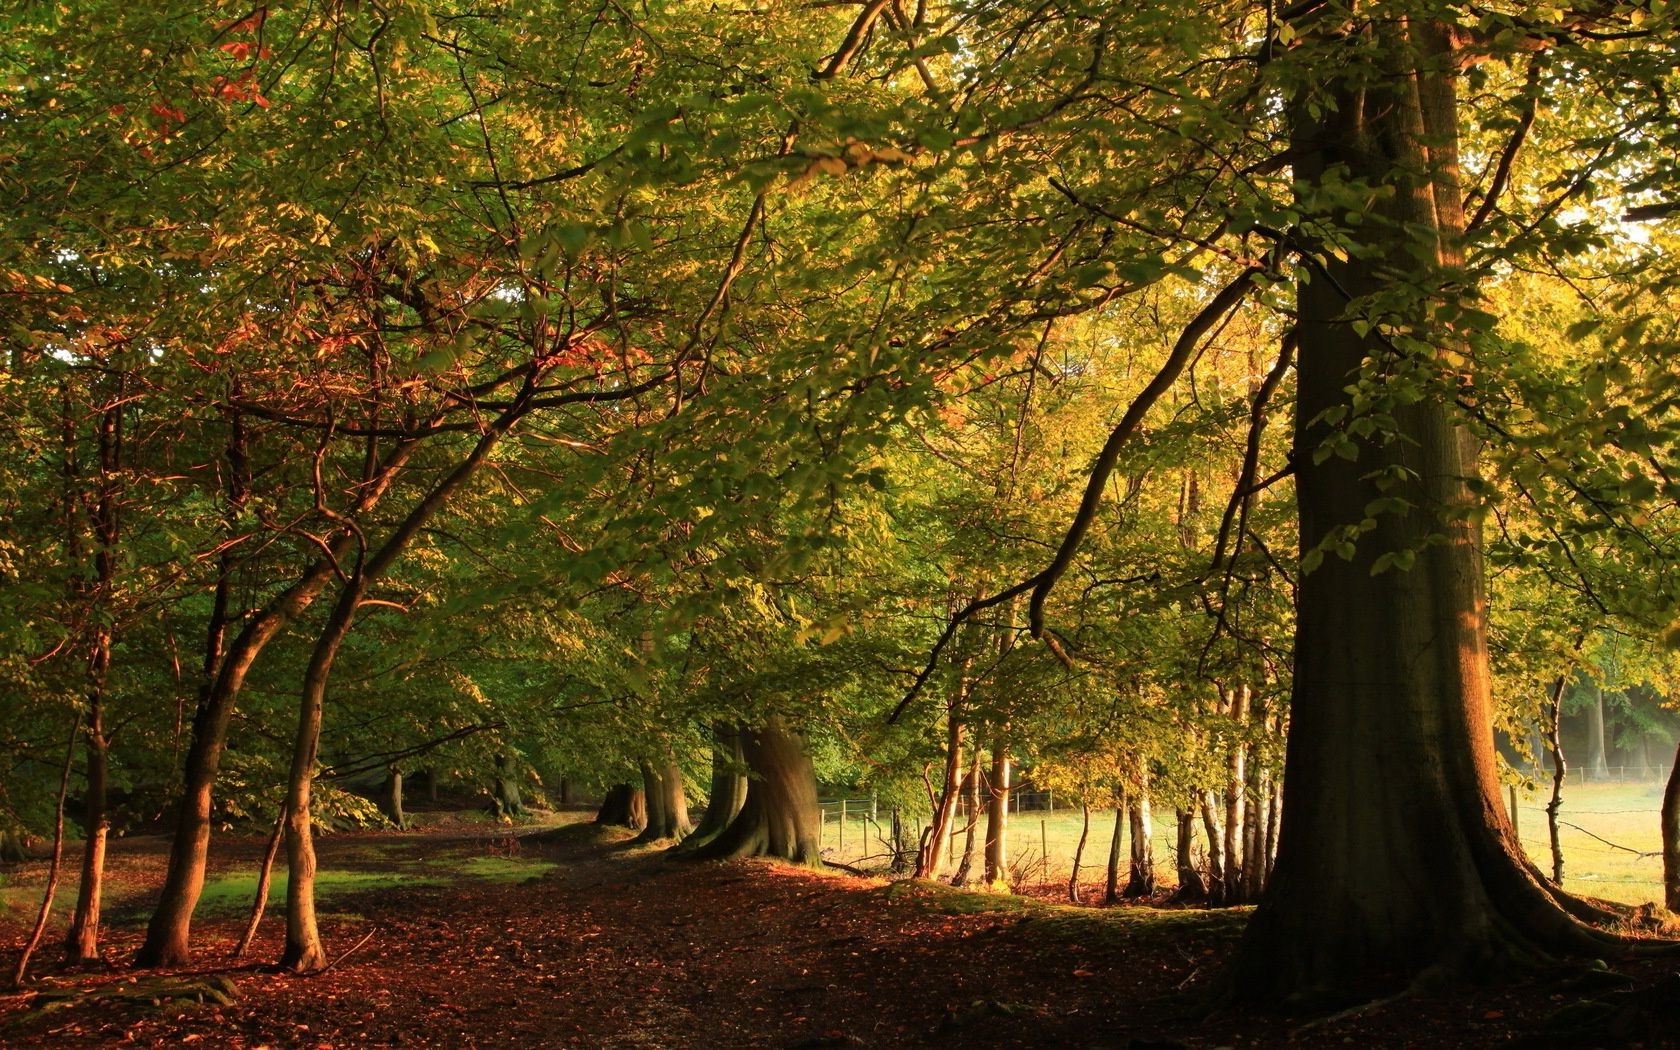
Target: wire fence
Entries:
(1610, 832)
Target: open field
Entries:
(1594, 816)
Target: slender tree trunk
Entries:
(51, 888)
(265, 876)
(1141, 881)
(997, 818)
(1079, 850)
(1560, 771)
(1396, 855)
(304, 952)
(1111, 892)
(780, 817)
(82, 940)
(1237, 710)
(1598, 763)
(966, 866)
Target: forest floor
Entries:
(466, 935)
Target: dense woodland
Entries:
(1240, 411)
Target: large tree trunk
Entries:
(729, 785)
(1396, 855)
(667, 805)
(505, 795)
(624, 806)
(780, 817)
(997, 818)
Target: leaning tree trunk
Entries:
(997, 818)
(936, 846)
(1396, 855)
(303, 952)
(780, 817)
(226, 667)
(729, 785)
(1079, 850)
(1111, 892)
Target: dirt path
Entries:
(576, 939)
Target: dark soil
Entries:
(623, 947)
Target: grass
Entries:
(1626, 815)
(227, 893)
(1623, 814)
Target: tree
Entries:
(1396, 855)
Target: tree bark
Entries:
(997, 818)
(1216, 852)
(1111, 892)
(1235, 756)
(505, 795)
(1190, 886)
(1598, 763)
(936, 847)
(667, 805)
(1079, 850)
(624, 806)
(1671, 837)
(1396, 856)
(966, 865)
(168, 934)
(391, 798)
(1140, 882)
(729, 785)
(780, 817)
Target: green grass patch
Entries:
(235, 892)
(1070, 922)
(503, 869)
